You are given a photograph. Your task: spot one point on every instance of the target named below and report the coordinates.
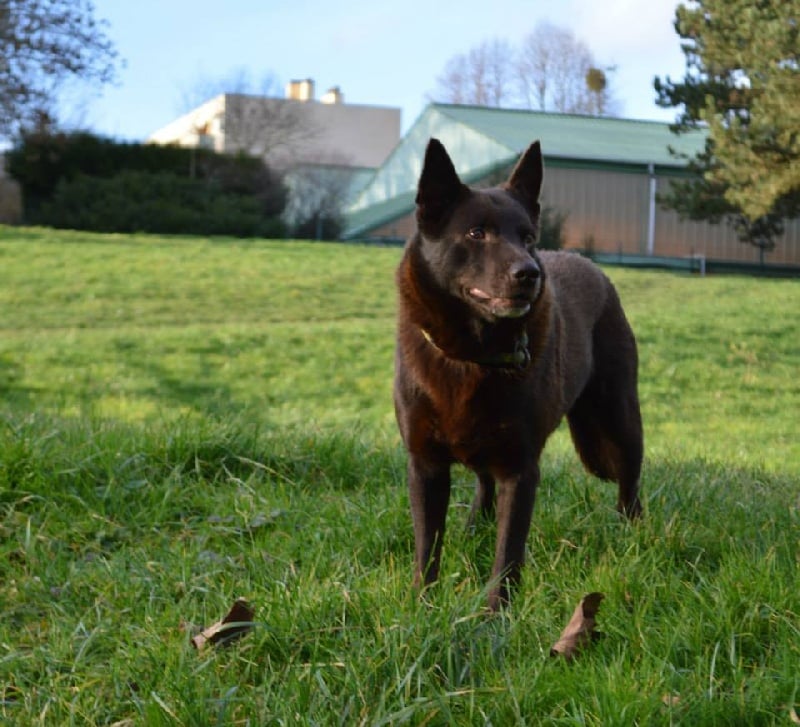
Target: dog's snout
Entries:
(526, 271)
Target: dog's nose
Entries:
(525, 271)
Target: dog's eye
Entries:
(477, 233)
(529, 240)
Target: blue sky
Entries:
(378, 53)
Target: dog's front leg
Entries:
(429, 492)
(515, 498)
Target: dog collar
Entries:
(519, 358)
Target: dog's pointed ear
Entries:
(439, 186)
(525, 181)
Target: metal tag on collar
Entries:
(521, 352)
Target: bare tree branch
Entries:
(237, 80)
(482, 76)
(258, 120)
(271, 128)
(318, 192)
(43, 43)
(552, 71)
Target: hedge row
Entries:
(134, 201)
(83, 181)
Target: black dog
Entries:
(496, 342)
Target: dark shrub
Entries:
(135, 201)
(319, 227)
(149, 187)
(551, 229)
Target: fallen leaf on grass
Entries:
(10, 694)
(236, 623)
(793, 718)
(580, 629)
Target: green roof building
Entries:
(603, 174)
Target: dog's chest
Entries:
(480, 425)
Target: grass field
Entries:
(186, 421)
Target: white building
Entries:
(294, 134)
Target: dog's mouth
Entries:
(513, 307)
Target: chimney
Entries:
(332, 96)
(302, 90)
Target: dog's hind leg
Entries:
(483, 504)
(606, 428)
(605, 421)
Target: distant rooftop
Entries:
(481, 140)
(577, 137)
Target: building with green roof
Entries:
(603, 174)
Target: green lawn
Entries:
(184, 421)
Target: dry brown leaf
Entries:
(581, 627)
(236, 623)
(10, 694)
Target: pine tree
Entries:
(743, 83)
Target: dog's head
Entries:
(479, 243)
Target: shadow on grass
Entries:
(197, 390)
(709, 565)
(696, 512)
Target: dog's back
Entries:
(588, 307)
